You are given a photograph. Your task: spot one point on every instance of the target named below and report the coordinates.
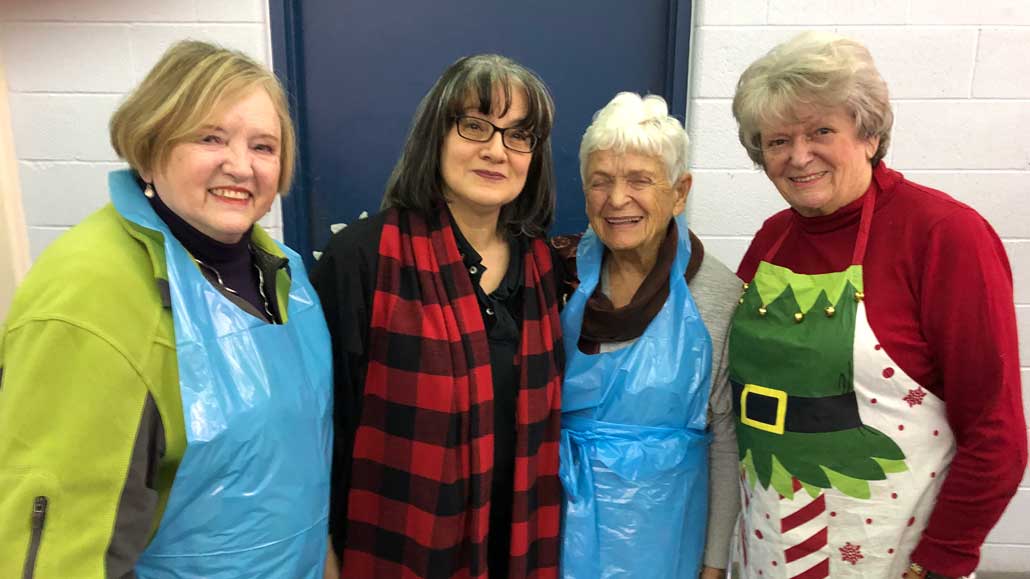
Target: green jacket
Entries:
(87, 346)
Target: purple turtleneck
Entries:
(233, 261)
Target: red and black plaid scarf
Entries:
(419, 501)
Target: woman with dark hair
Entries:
(447, 343)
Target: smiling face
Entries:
(818, 162)
(225, 177)
(630, 201)
(480, 178)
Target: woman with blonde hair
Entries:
(166, 382)
(873, 357)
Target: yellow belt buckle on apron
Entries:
(781, 408)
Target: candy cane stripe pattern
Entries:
(807, 547)
(804, 514)
(820, 570)
(805, 528)
(747, 505)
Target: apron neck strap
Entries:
(868, 206)
(861, 240)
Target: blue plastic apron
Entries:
(250, 497)
(634, 447)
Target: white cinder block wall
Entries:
(70, 63)
(959, 74)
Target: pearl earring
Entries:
(149, 191)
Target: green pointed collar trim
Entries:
(263, 241)
(771, 281)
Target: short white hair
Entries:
(641, 125)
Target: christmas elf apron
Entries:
(842, 454)
(634, 449)
(250, 497)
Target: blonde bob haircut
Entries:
(817, 69)
(641, 125)
(190, 82)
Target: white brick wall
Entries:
(959, 75)
(69, 63)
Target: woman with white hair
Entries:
(642, 396)
(873, 358)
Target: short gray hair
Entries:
(813, 68)
(630, 122)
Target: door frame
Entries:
(14, 243)
(287, 60)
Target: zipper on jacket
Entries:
(39, 508)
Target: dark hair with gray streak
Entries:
(416, 182)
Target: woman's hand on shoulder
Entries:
(332, 564)
(713, 573)
(563, 252)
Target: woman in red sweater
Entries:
(874, 356)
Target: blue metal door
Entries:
(357, 70)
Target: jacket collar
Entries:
(143, 224)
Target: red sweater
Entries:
(939, 297)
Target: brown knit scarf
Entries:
(602, 321)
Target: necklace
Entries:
(261, 286)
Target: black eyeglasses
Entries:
(480, 130)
